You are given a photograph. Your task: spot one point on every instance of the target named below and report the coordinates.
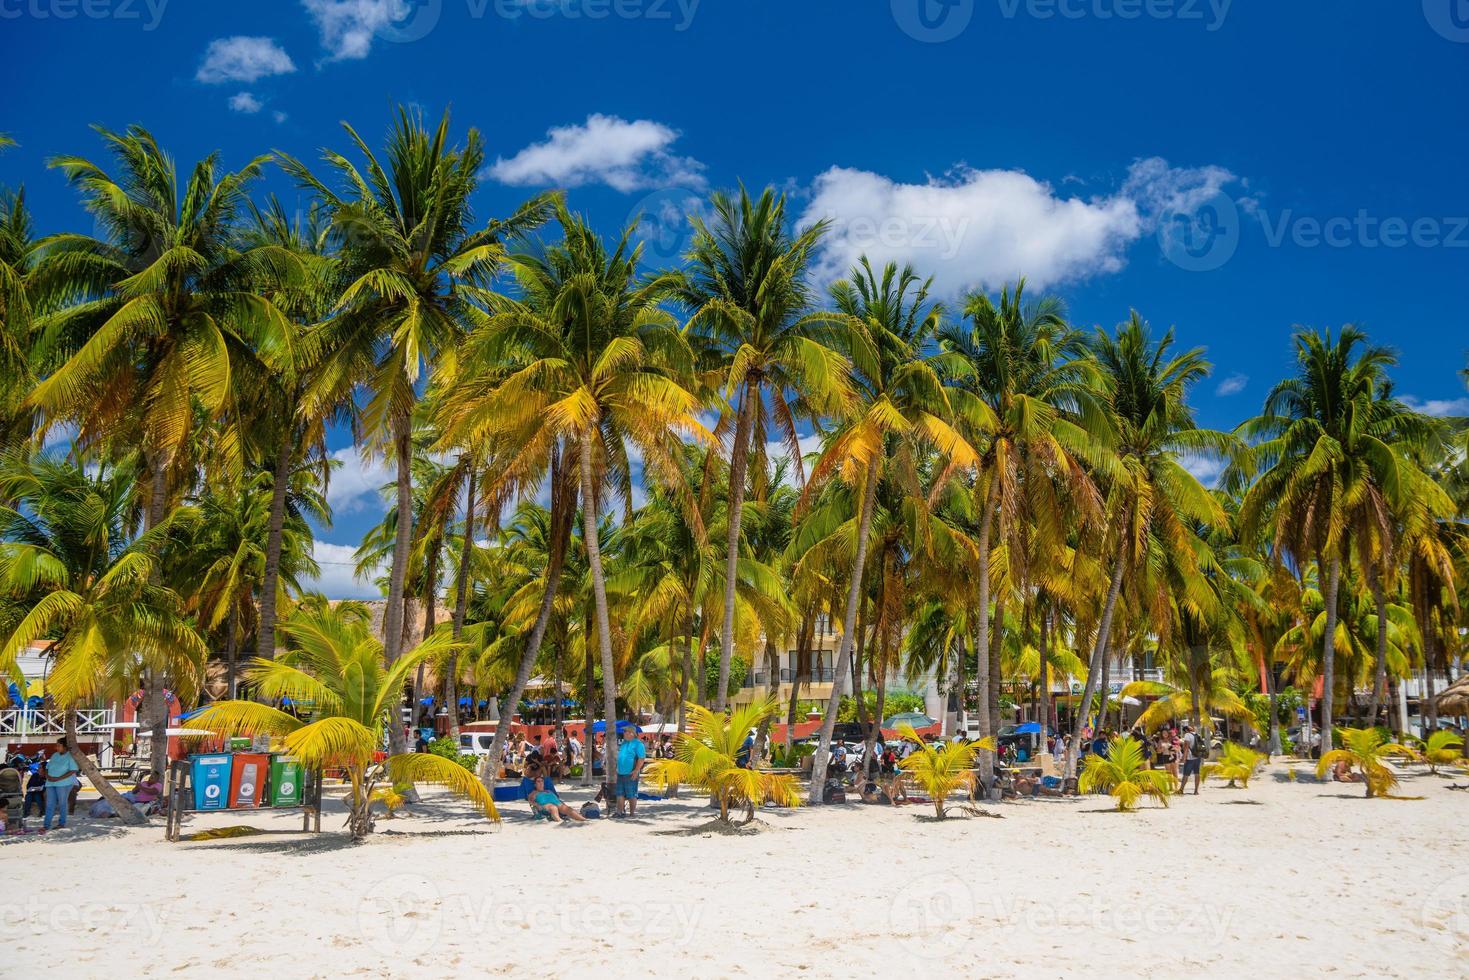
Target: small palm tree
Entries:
(940, 772)
(1238, 763)
(707, 759)
(335, 664)
(1366, 750)
(1125, 775)
(1442, 749)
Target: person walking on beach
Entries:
(1193, 761)
(61, 770)
(631, 754)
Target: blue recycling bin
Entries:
(211, 776)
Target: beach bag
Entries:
(834, 793)
(591, 811)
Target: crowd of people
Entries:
(47, 784)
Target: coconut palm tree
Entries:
(335, 664)
(1324, 460)
(414, 264)
(20, 254)
(597, 366)
(939, 772)
(1124, 773)
(1442, 749)
(1237, 764)
(71, 575)
(902, 410)
(1366, 750)
(747, 285)
(707, 758)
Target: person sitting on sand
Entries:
(544, 801)
(1342, 773)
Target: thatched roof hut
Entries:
(1454, 699)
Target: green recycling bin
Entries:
(286, 779)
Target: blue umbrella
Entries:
(1029, 728)
(15, 697)
(599, 727)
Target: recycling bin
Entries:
(247, 779)
(286, 778)
(211, 778)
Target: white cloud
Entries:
(278, 116)
(1205, 469)
(347, 27)
(607, 150)
(337, 580)
(247, 103)
(983, 228)
(1232, 385)
(356, 485)
(810, 445)
(1440, 407)
(243, 59)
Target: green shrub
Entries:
(446, 748)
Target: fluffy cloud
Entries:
(1232, 385)
(1205, 469)
(337, 579)
(347, 27)
(356, 485)
(1440, 407)
(242, 59)
(982, 228)
(247, 103)
(607, 150)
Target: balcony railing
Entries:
(16, 723)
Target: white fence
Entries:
(29, 724)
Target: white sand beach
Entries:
(1284, 878)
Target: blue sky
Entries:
(1231, 168)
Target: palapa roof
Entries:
(1454, 699)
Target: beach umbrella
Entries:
(915, 718)
(1029, 728)
(599, 727)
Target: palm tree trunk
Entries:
(1274, 745)
(982, 633)
(1328, 652)
(1043, 695)
(232, 650)
(461, 608)
(1094, 665)
(125, 811)
(1379, 682)
(688, 668)
(738, 458)
(563, 512)
(280, 485)
(599, 593)
(589, 694)
(799, 669)
(395, 613)
(849, 626)
(155, 683)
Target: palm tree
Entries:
(1124, 773)
(596, 365)
(1324, 463)
(902, 410)
(414, 265)
(336, 665)
(72, 575)
(20, 254)
(941, 772)
(1238, 764)
(1026, 398)
(1153, 503)
(707, 758)
(1367, 751)
(164, 311)
(748, 288)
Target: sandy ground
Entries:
(1285, 878)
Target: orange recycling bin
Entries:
(247, 779)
